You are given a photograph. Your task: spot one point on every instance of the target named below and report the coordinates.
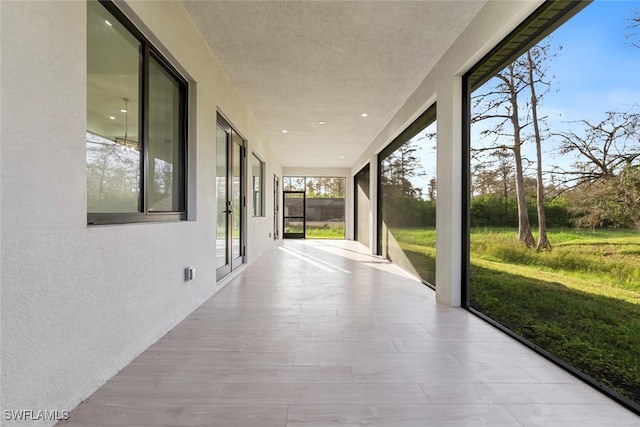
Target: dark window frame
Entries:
(543, 21)
(365, 170)
(149, 51)
(418, 125)
(262, 199)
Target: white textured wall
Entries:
(443, 84)
(78, 302)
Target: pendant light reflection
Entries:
(125, 143)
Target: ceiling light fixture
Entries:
(364, 115)
(342, 157)
(321, 122)
(285, 131)
(112, 118)
(123, 111)
(108, 23)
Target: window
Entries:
(362, 205)
(320, 201)
(553, 196)
(407, 199)
(257, 185)
(136, 125)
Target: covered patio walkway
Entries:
(319, 333)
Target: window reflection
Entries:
(407, 200)
(113, 156)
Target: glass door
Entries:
(237, 201)
(223, 264)
(230, 199)
(276, 207)
(294, 215)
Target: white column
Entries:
(449, 193)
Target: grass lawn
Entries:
(324, 232)
(580, 301)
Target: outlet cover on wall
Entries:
(189, 273)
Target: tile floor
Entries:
(318, 333)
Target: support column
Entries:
(449, 193)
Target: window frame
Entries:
(543, 21)
(149, 51)
(418, 125)
(261, 195)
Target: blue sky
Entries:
(596, 70)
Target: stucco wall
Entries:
(78, 302)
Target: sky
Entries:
(596, 70)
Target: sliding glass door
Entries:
(230, 227)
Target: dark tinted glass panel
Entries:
(363, 205)
(257, 180)
(222, 195)
(113, 131)
(554, 192)
(166, 140)
(407, 201)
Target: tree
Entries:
(633, 34)
(431, 193)
(627, 192)
(602, 148)
(500, 105)
(535, 60)
(604, 178)
(400, 166)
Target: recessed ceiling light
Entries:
(321, 122)
(112, 118)
(364, 115)
(285, 131)
(342, 157)
(108, 23)
(123, 111)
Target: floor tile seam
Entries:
(521, 368)
(621, 411)
(426, 396)
(300, 382)
(116, 404)
(512, 414)
(353, 377)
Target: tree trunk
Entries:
(543, 241)
(524, 228)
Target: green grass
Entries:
(325, 232)
(609, 258)
(419, 246)
(580, 301)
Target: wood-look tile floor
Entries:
(318, 333)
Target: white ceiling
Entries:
(295, 63)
